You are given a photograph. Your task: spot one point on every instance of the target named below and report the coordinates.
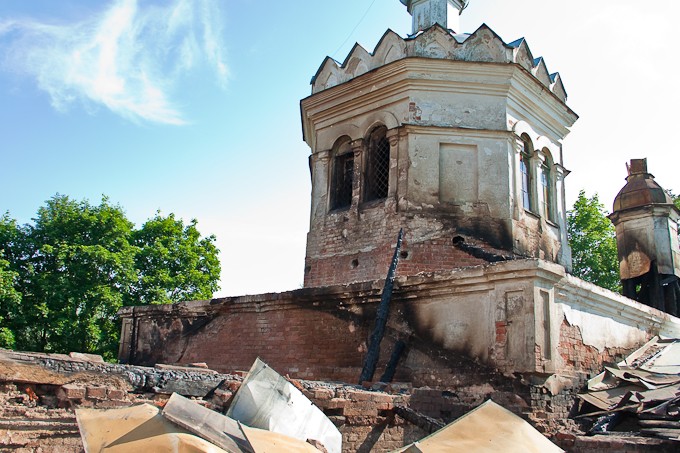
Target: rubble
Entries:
(182, 426)
(40, 393)
(640, 395)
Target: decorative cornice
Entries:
(484, 45)
(398, 81)
(602, 302)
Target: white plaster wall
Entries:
(460, 322)
(607, 319)
(461, 168)
(532, 297)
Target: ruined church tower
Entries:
(454, 137)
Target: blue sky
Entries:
(192, 106)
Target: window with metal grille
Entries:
(546, 192)
(377, 179)
(343, 176)
(527, 177)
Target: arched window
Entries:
(342, 175)
(547, 192)
(527, 174)
(377, 179)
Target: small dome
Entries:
(641, 189)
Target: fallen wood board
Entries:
(611, 398)
(659, 424)
(664, 433)
(198, 388)
(210, 425)
(139, 428)
(487, 429)
(264, 441)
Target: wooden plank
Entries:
(209, 425)
(660, 424)
(664, 433)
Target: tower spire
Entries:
(426, 13)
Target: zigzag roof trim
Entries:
(484, 45)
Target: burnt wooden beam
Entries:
(373, 353)
(422, 421)
(397, 352)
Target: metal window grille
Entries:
(343, 177)
(378, 171)
(526, 181)
(547, 192)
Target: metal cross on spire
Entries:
(426, 13)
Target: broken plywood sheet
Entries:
(263, 441)
(210, 425)
(610, 398)
(136, 428)
(268, 401)
(488, 429)
(226, 432)
(644, 378)
(666, 361)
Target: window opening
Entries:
(342, 181)
(547, 192)
(525, 168)
(378, 166)
(342, 177)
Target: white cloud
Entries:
(129, 58)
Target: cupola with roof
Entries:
(646, 222)
(456, 137)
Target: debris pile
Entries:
(181, 426)
(638, 396)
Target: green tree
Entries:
(10, 301)
(65, 277)
(11, 244)
(592, 238)
(173, 262)
(676, 198)
(80, 265)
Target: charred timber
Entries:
(373, 353)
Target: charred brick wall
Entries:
(304, 339)
(456, 325)
(427, 256)
(357, 245)
(322, 333)
(471, 334)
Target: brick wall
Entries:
(304, 340)
(427, 256)
(357, 245)
(581, 359)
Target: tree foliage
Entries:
(173, 262)
(592, 238)
(676, 198)
(79, 263)
(10, 299)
